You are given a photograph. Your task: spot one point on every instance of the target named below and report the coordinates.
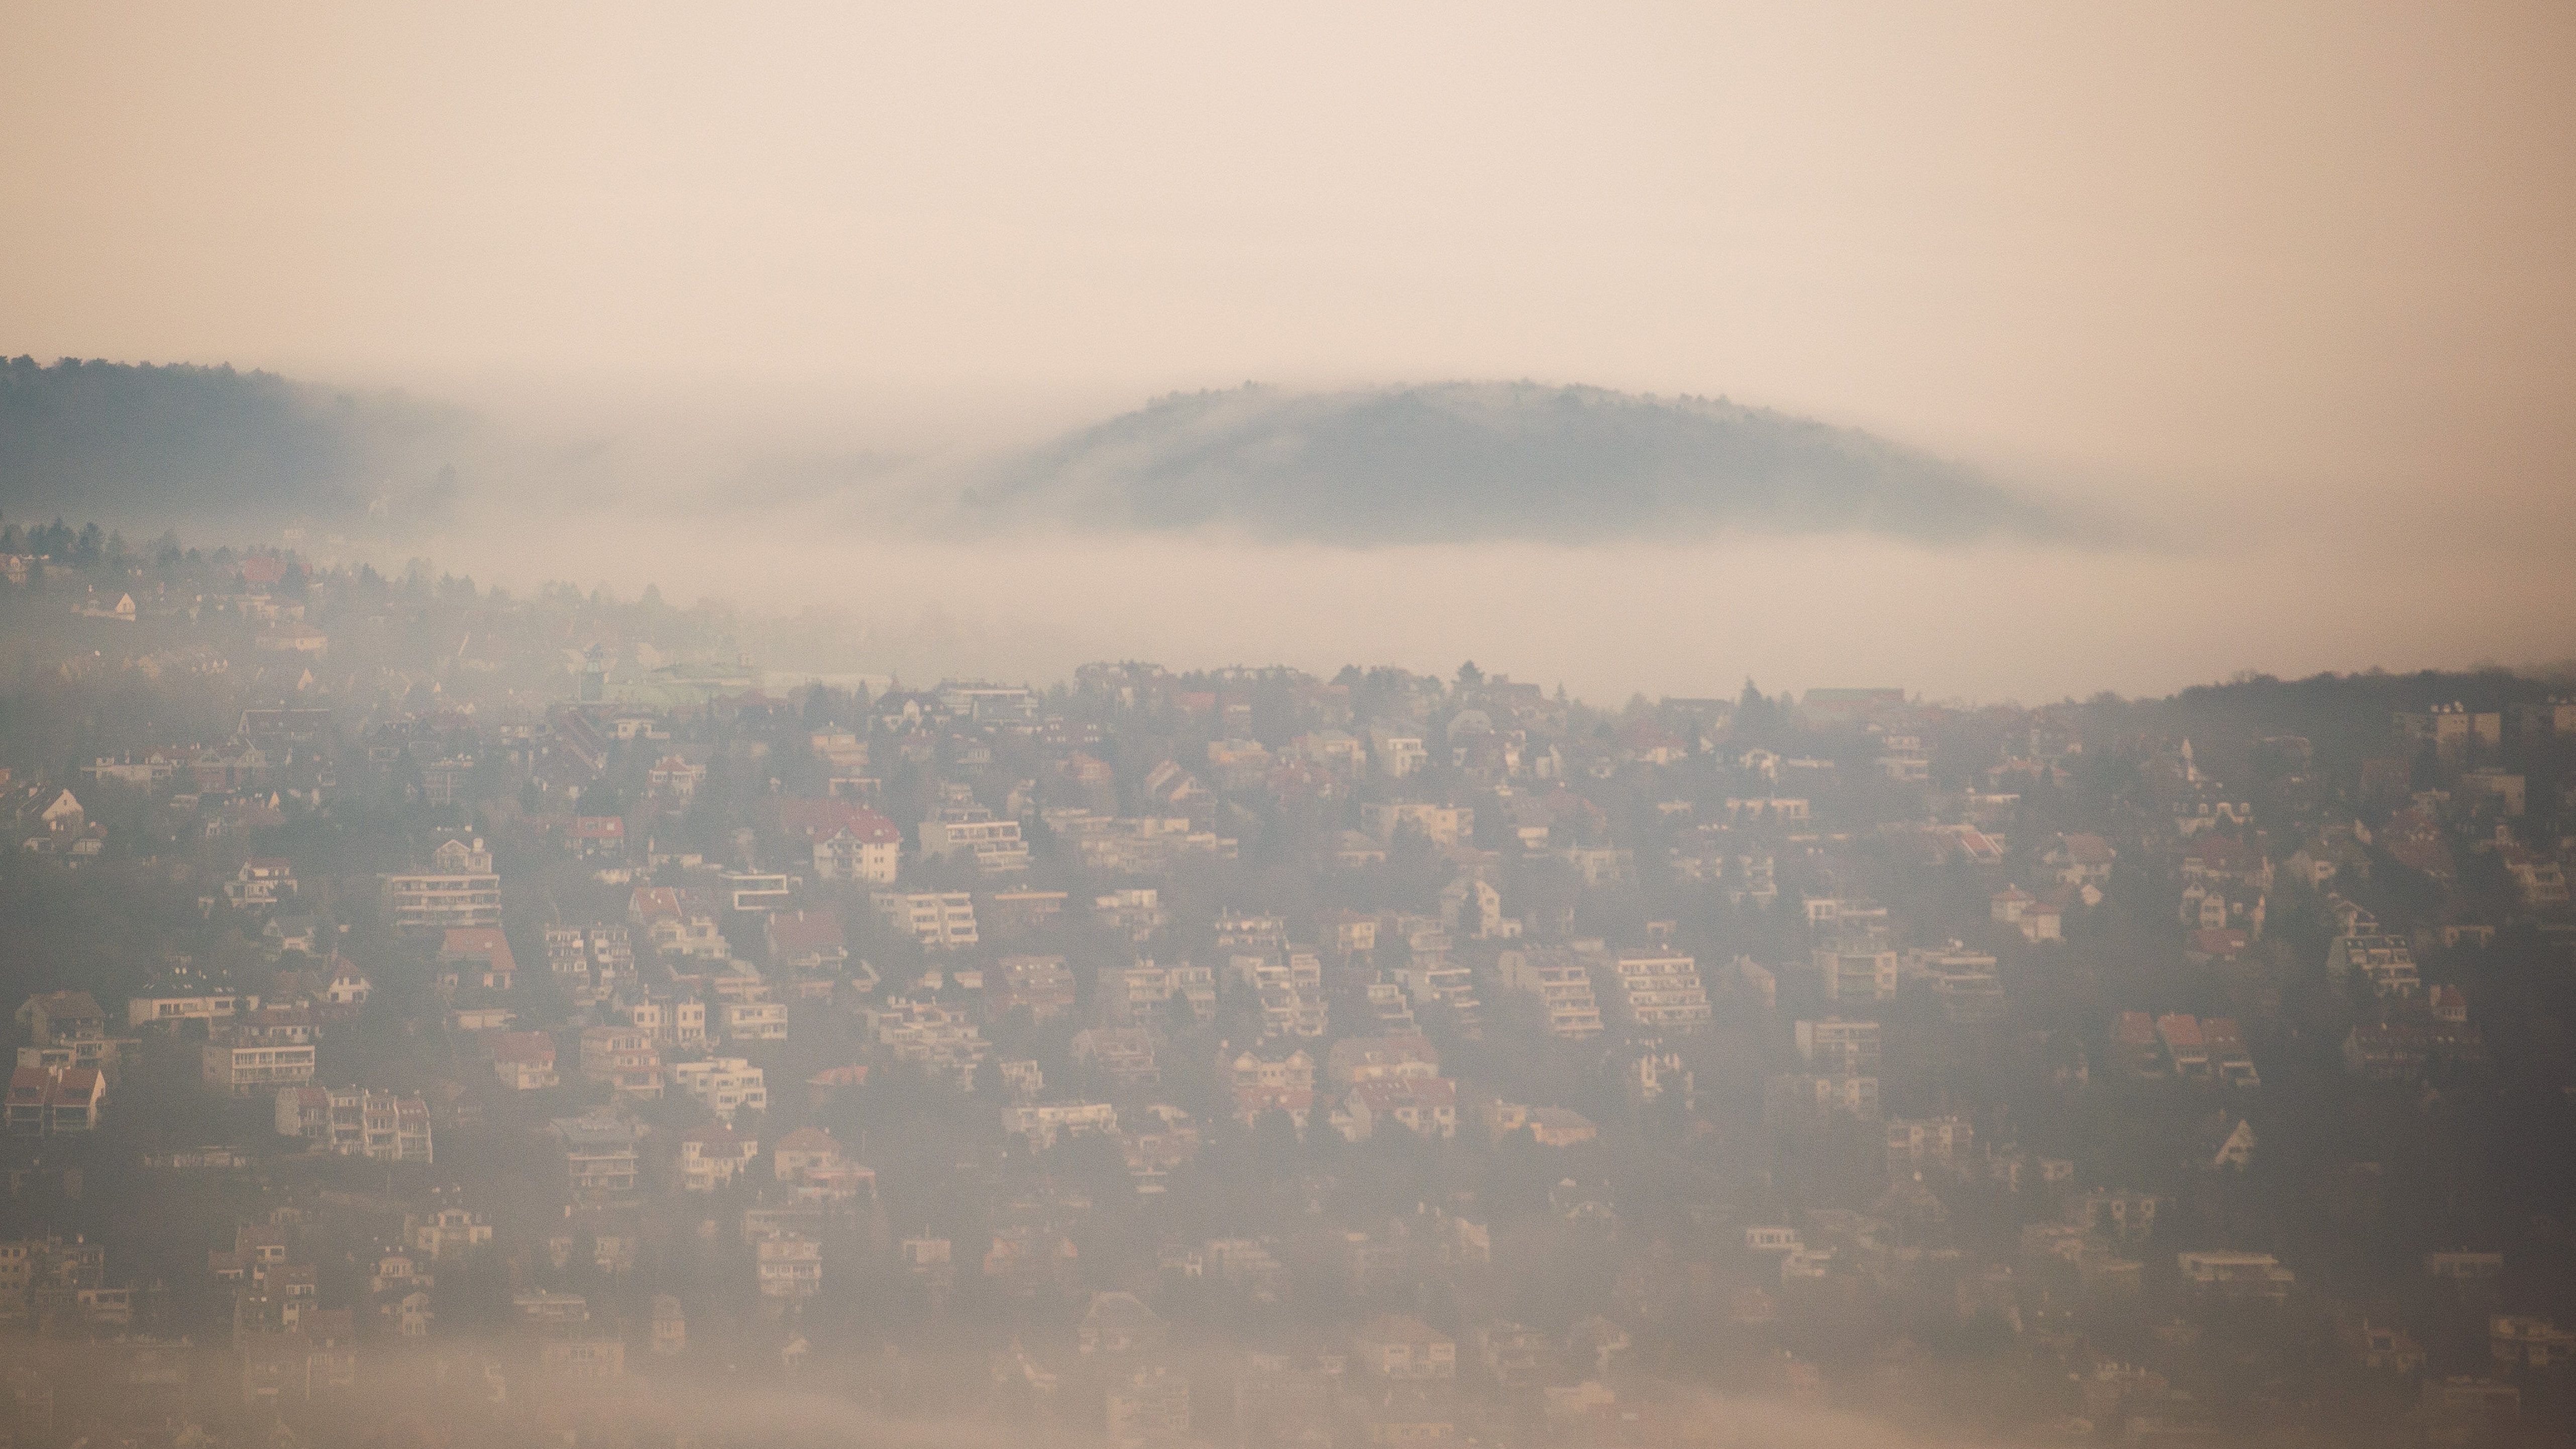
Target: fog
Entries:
(2290, 284)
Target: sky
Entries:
(2295, 278)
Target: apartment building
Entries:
(940, 920)
(380, 1126)
(1659, 991)
(1839, 1047)
(457, 890)
(724, 1085)
(1562, 985)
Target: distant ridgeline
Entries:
(141, 443)
(1461, 461)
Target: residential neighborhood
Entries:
(1248, 1056)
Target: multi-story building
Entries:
(759, 1020)
(1424, 1106)
(930, 1034)
(1042, 985)
(2235, 1275)
(1147, 993)
(54, 1100)
(446, 1232)
(624, 1058)
(940, 920)
(1562, 985)
(714, 1157)
(458, 889)
(357, 1122)
(1796, 1097)
(599, 1153)
(187, 999)
(69, 1029)
(724, 1085)
(1439, 824)
(790, 1266)
(1856, 970)
(1839, 1047)
(259, 1054)
(995, 845)
(1918, 1142)
(1041, 1124)
(524, 1060)
(1660, 991)
(865, 846)
(2386, 962)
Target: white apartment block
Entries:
(940, 920)
(458, 889)
(724, 1085)
(1660, 990)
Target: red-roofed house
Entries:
(2081, 860)
(476, 956)
(807, 941)
(849, 841)
(50, 1101)
(596, 837)
(524, 1060)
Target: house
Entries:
(807, 942)
(596, 837)
(2037, 920)
(54, 1101)
(72, 1021)
(725, 1086)
(1425, 1106)
(1403, 1349)
(868, 847)
(624, 1057)
(1117, 1322)
(476, 956)
(261, 883)
(524, 1060)
(714, 1157)
(446, 1232)
(1041, 985)
(803, 1150)
(1548, 1126)
(2081, 860)
(2237, 1149)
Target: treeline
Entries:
(168, 442)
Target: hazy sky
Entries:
(2266, 258)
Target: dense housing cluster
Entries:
(446, 1008)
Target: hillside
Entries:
(1474, 461)
(136, 442)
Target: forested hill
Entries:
(1482, 460)
(141, 443)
